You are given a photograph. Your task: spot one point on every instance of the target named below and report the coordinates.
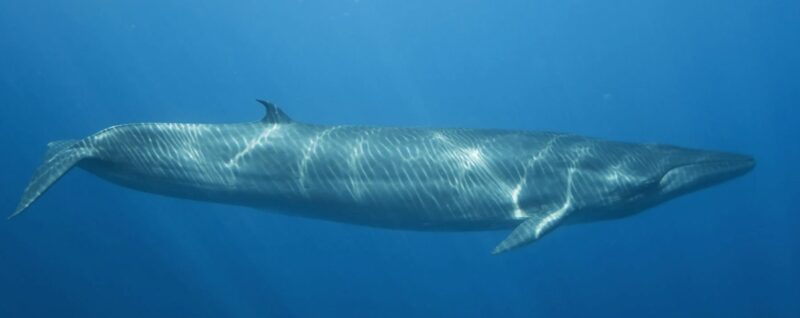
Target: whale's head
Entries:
(683, 171)
(658, 173)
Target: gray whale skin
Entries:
(400, 178)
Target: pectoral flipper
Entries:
(532, 229)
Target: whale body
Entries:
(400, 178)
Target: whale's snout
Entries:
(695, 170)
(733, 165)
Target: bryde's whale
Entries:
(401, 178)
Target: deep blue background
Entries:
(708, 74)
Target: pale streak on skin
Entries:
(473, 159)
(520, 213)
(193, 152)
(354, 164)
(467, 157)
(617, 174)
(307, 153)
(553, 218)
(253, 144)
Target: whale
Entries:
(407, 178)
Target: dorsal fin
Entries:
(274, 114)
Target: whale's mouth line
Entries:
(717, 168)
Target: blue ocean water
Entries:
(706, 74)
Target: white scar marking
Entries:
(190, 148)
(473, 157)
(253, 144)
(471, 164)
(308, 152)
(519, 213)
(551, 219)
(354, 163)
(440, 137)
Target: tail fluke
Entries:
(61, 157)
